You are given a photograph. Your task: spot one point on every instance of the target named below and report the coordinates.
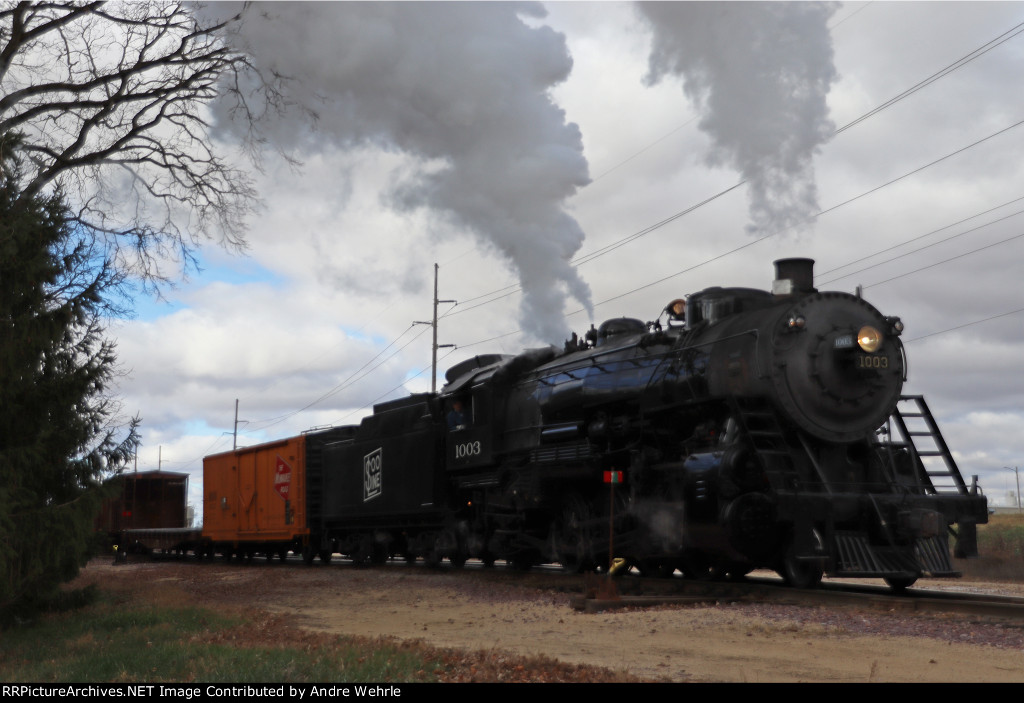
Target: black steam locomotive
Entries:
(743, 429)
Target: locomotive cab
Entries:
(469, 397)
(471, 442)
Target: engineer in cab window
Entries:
(457, 417)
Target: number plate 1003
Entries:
(872, 361)
(467, 449)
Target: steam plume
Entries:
(759, 73)
(463, 85)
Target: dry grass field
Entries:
(1001, 544)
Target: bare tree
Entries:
(110, 102)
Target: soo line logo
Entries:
(372, 464)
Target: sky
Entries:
(504, 142)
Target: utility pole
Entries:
(436, 346)
(234, 441)
(1014, 470)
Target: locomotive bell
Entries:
(793, 277)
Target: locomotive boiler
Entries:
(742, 429)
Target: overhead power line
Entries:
(650, 146)
(512, 289)
(966, 324)
(400, 385)
(946, 261)
(919, 249)
(849, 16)
(600, 252)
(586, 258)
(352, 378)
(959, 63)
(830, 209)
(922, 236)
(769, 236)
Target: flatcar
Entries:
(741, 429)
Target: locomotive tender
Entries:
(753, 429)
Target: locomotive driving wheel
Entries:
(696, 566)
(447, 544)
(899, 584)
(800, 572)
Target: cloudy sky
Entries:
(884, 140)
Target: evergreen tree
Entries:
(57, 438)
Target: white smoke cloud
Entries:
(759, 72)
(463, 88)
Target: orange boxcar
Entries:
(255, 499)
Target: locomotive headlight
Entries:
(797, 322)
(869, 339)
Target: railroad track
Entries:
(977, 606)
(590, 593)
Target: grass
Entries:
(154, 635)
(128, 638)
(1001, 545)
(152, 631)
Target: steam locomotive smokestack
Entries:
(793, 277)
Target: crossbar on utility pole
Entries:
(1015, 469)
(436, 346)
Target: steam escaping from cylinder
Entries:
(759, 73)
(463, 88)
(665, 524)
